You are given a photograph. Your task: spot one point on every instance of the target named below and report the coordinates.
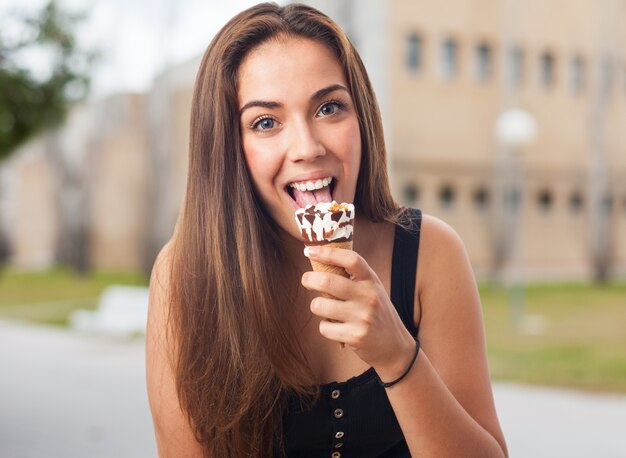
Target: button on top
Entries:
(335, 394)
(339, 434)
(338, 413)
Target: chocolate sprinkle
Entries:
(336, 216)
(309, 217)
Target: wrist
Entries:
(396, 370)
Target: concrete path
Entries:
(69, 395)
(65, 395)
(548, 422)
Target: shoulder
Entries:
(443, 265)
(158, 305)
(159, 277)
(172, 430)
(438, 232)
(441, 247)
(158, 308)
(159, 302)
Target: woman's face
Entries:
(299, 127)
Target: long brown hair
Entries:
(236, 354)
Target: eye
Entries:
(330, 108)
(263, 124)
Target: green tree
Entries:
(30, 103)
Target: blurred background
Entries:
(504, 118)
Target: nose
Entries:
(305, 144)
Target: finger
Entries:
(329, 283)
(334, 330)
(330, 309)
(350, 260)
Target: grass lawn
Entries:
(49, 297)
(582, 343)
(573, 335)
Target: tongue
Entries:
(304, 198)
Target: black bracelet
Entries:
(408, 369)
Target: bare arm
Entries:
(174, 435)
(449, 385)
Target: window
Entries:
(446, 197)
(607, 75)
(607, 203)
(512, 199)
(481, 199)
(414, 53)
(410, 194)
(449, 57)
(544, 201)
(483, 62)
(577, 73)
(515, 65)
(576, 202)
(547, 71)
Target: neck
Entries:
(365, 232)
(294, 249)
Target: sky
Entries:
(137, 39)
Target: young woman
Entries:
(243, 354)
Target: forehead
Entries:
(283, 68)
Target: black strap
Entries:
(404, 266)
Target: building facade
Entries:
(443, 73)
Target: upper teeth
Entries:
(311, 185)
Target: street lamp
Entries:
(514, 129)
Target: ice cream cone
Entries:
(327, 224)
(319, 267)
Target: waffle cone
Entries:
(319, 267)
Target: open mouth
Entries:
(311, 192)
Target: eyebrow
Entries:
(316, 96)
(327, 90)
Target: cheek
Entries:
(262, 164)
(353, 147)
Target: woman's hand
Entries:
(360, 312)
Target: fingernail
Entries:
(311, 251)
(307, 251)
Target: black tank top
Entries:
(354, 418)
